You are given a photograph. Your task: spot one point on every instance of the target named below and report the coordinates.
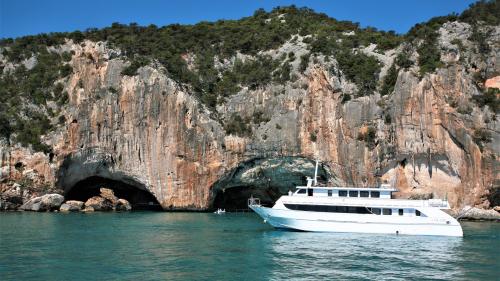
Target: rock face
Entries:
(71, 206)
(48, 202)
(154, 134)
(493, 82)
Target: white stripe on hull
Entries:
(309, 221)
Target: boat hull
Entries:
(324, 222)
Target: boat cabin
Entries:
(384, 191)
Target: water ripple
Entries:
(194, 246)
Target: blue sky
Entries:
(26, 17)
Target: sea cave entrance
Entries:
(137, 195)
(235, 199)
(264, 178)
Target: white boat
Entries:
(357, 209)
(220, 211)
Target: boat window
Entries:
(353, 193)
(330, 192)
(375, 194)
(310, 192)
(327, 208)
(417, 213)
(342, 193)
(364, 194)
(387, 212)
(301, 191)
(400, 212)
(376, 211)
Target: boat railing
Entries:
(252, 201)
(437, 203)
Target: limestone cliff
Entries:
(153, 133)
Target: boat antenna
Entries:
(316, 173)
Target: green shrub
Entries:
(58, 89)
(387, 119)
(65, 70)
(489, 98)
(137, 63)
(304, 62)
(403, 61)
(35, 87)
(481, 137)
(63, 99)
(255, 73)
(112, 90)
(282, 75)
(429, 55)
(28, 132)
(361, 69)
(465, 109)
(237, 126)
(61, 120)
(66, 56)
(258, 117)
(479, 38)
(345, 98)
(389, 81)
(369, 137)
(485, 11)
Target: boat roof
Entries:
(362, 202)
(348, 188)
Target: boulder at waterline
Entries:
(47, 202)
(473, 213)
(123, 205)
(99, 204)
(71, 206)
(10, 203)
(108, 194)
(88, 209)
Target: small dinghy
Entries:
(220, 211)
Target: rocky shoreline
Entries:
(469, 213)
(105, 201)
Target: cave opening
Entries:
(264, 178)
(139, 198)
(235, 199)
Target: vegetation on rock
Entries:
(21, 87)
(481, 137)
(369, 137)
(389, 81)
(238, 126)
(490, 98)
(218, 59)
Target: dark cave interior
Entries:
(139, 198)
(236, 198)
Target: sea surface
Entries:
(205, 246)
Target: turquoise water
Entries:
(203, 246)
